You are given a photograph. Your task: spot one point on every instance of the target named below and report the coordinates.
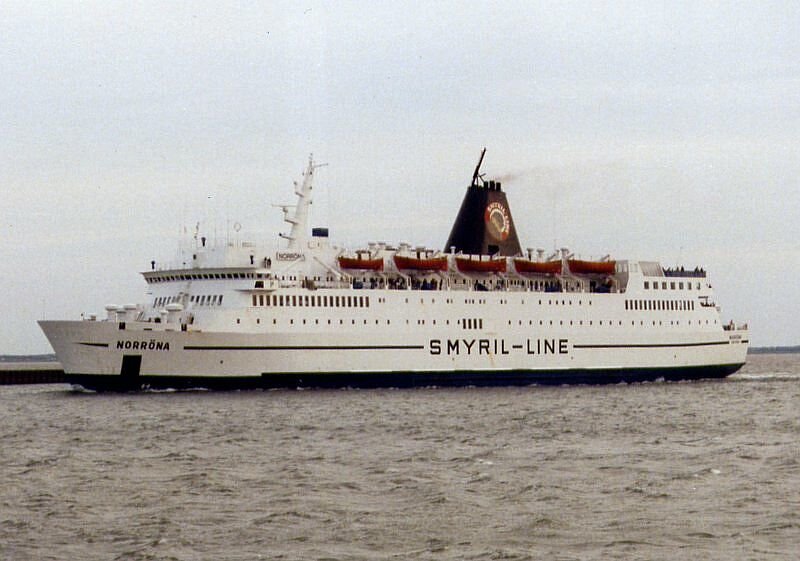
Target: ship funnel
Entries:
(484, 225)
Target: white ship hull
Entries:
(378, 346)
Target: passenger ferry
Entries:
(478, 312)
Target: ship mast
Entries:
(299, 234)
(477, 175)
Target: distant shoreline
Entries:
(773, 350)
(28, 358)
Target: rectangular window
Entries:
(255, 302)
(646, 285)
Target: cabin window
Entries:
(646, 284)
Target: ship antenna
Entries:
(477, 175)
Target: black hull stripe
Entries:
(421, 347)
(305, 348)
(88, 344)
(652, 346)
(479, 378)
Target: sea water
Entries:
(696, 470)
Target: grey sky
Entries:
(664, 132)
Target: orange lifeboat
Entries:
(538, 267)
(421, 263)
(361, 263)
(467, 265)
(578, 267)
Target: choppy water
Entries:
(703, 470)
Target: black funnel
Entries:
(484, 225)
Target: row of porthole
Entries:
(503, 301)
(478, 323)
(609, 323)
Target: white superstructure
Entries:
(310, 313)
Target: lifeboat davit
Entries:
(578, 267)
(361, 264)
(404, 262)
(537, 267)
(467, 265)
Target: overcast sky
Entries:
(659, 132)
